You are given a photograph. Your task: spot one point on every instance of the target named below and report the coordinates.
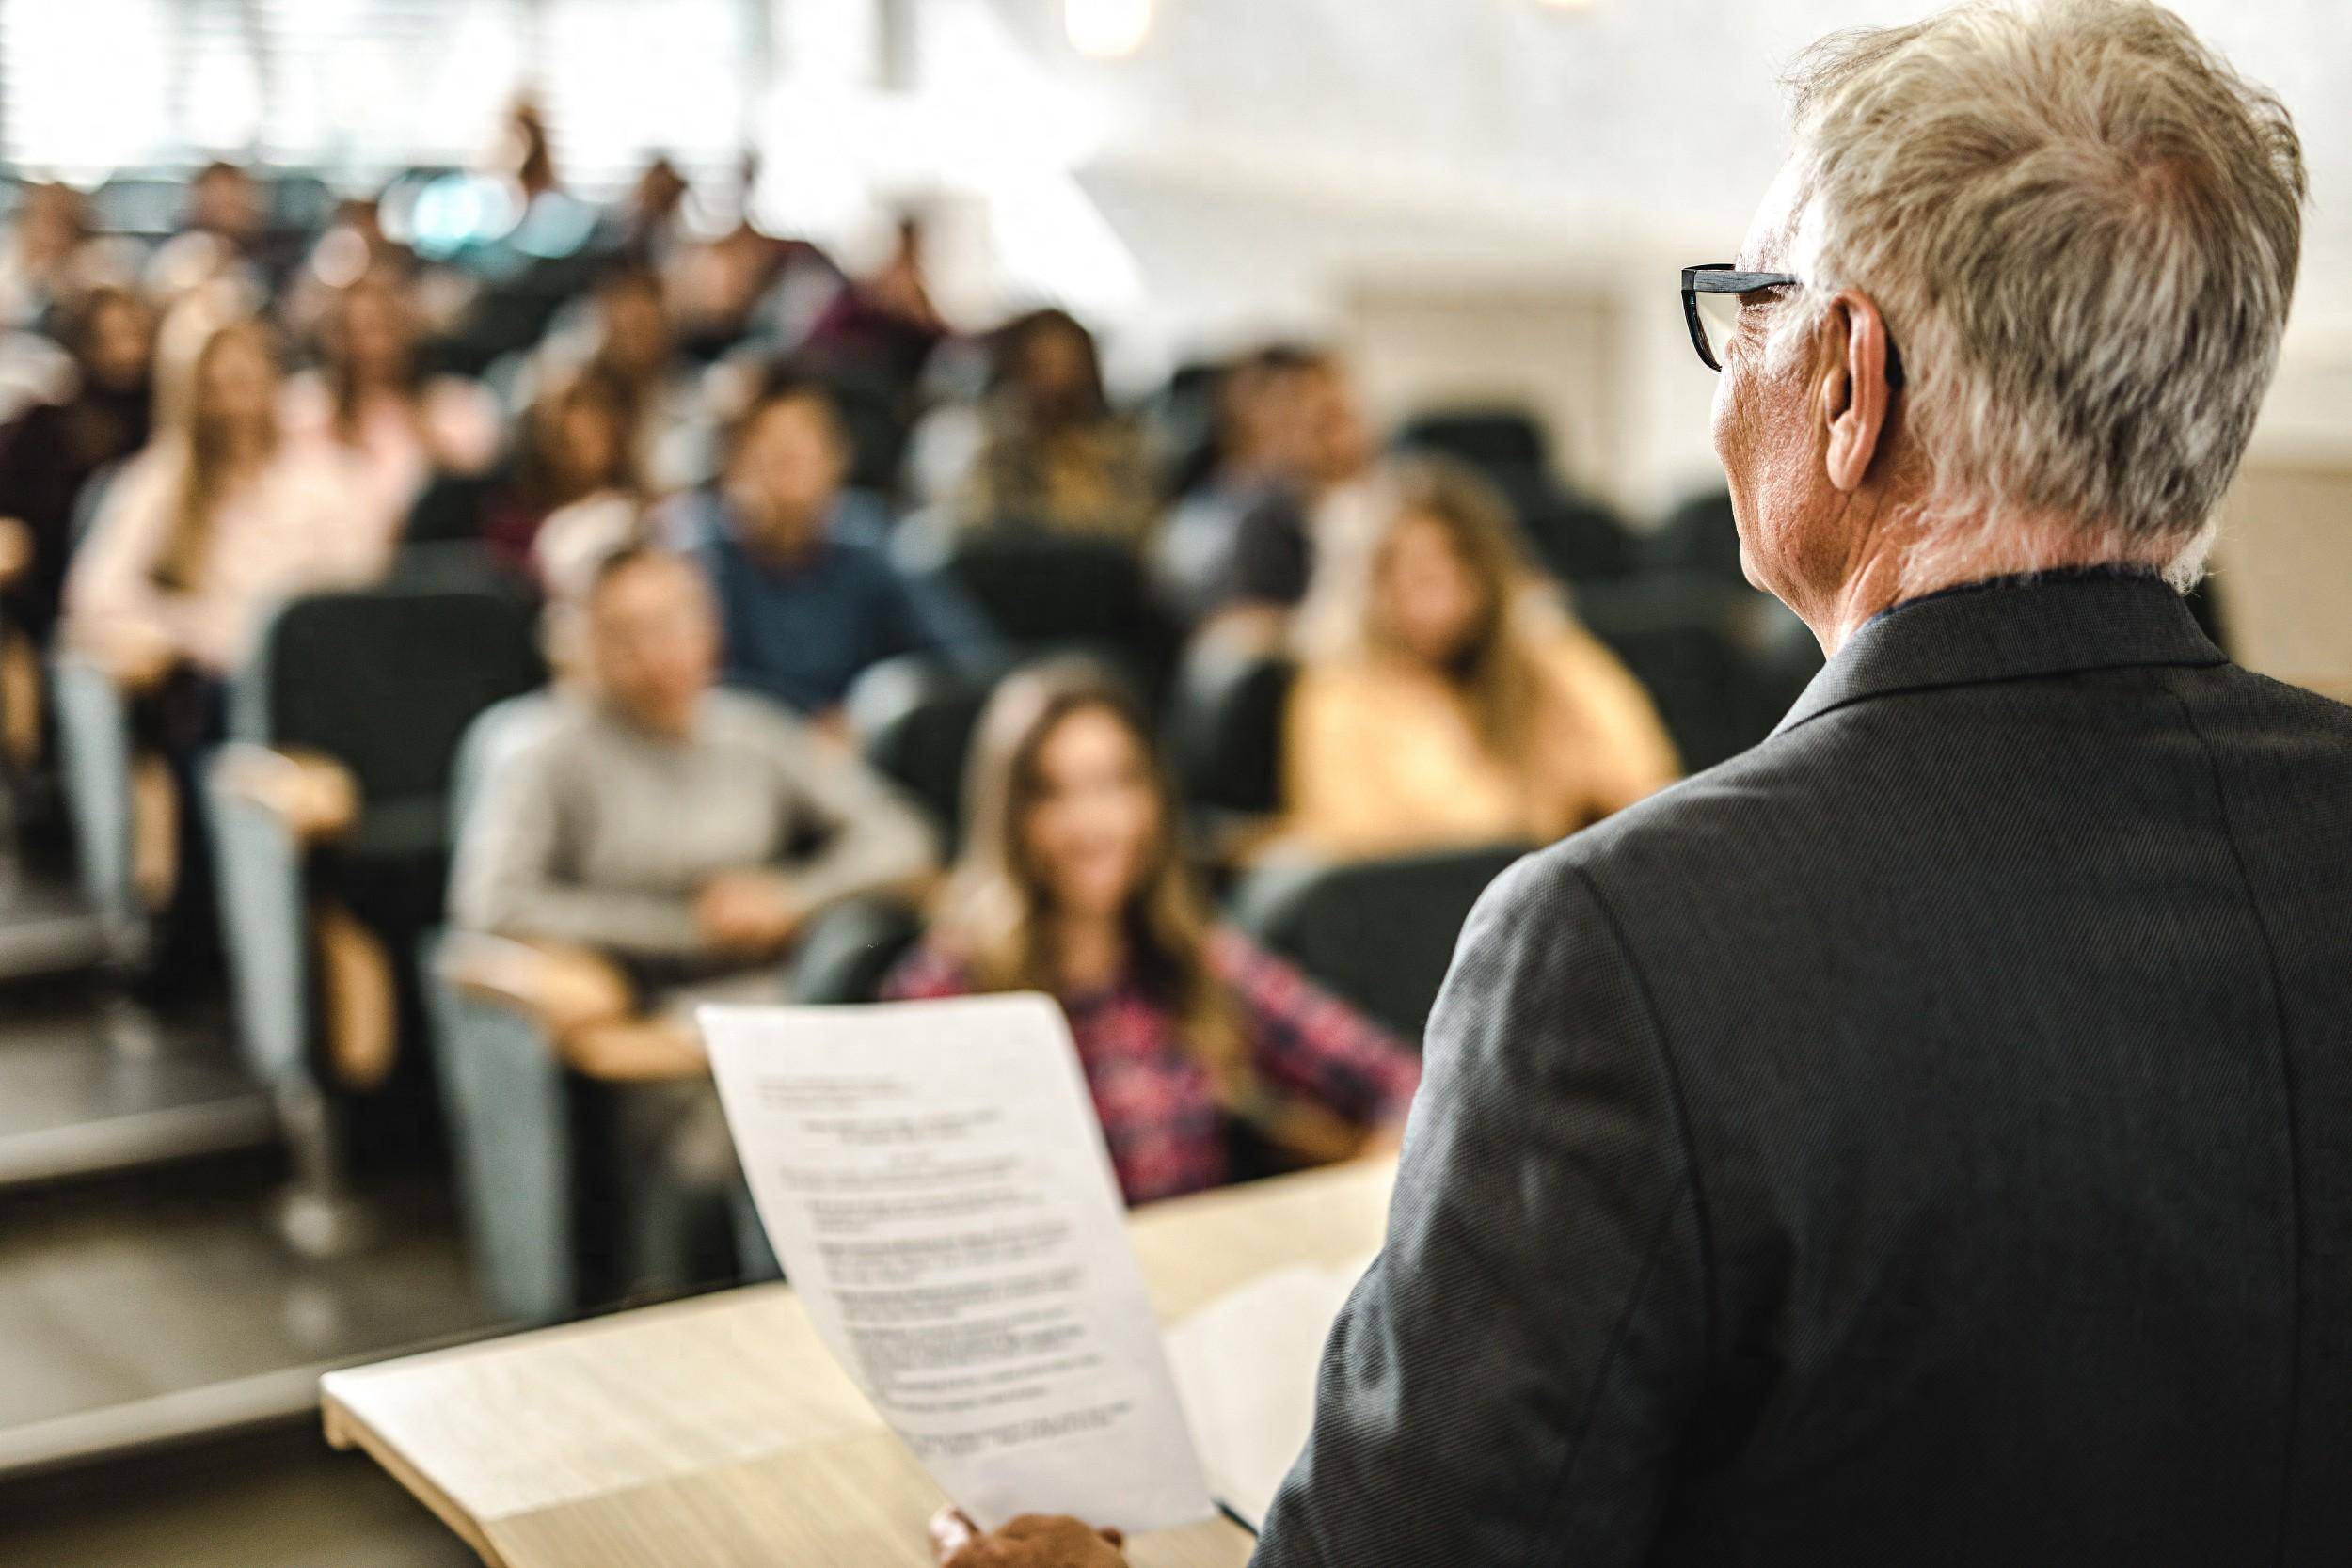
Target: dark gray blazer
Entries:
(1925, 1139)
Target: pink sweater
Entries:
(307, 521)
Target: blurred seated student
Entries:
(224, 232)
(1446, 698)
(1052, 452)
(226, 202)
(38, 250)
(744, 288)
(1323, 509)
(645, 224)
(46, 257)
(808, 591)
(634, 343)
(367, 396)
(193, 541)
(524, 153)
(217, 519)
(682, 832)
(884, 323)
(352, 245)
(52, 451)
(572, 461)
(1260, 458)
(1192, 1037)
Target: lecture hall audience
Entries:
(674, 487)
(1446, 697)
(1192, 1037)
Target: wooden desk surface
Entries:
(719, 1433)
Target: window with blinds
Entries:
(360, 88)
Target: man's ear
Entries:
(1854, 395)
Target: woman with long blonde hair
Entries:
(1072, 883)
(194, 539)
(216, 519)
(1446, 698)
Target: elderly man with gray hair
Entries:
(1926, 1138)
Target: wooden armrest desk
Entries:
(718, 1432)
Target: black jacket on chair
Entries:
(1925, 1139)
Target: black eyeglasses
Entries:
(1711, 297)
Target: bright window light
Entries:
(1106, 29)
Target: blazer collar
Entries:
(2010, 629)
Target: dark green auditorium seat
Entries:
(330, 805)
(1378, 933)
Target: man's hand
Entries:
(754, 914)
(1032, 1541)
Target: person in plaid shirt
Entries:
(1192, 1037)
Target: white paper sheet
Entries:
(1246, 1365)
(932, 1177)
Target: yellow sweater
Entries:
(1382, 756)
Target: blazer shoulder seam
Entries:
(1957, 683)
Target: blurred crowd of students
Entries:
(722, 468)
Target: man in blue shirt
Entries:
(802, 567)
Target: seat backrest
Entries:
(1579, 540)
(873, 420)
(850, 949)
(1377, 933)
(914, 717)
(1042, 590)
(1699, 536)
(1573, 536)
(1498, 436)
(1683, 637)
(387, 679)
(448, 510)
(1779, 656)
(1225, 728)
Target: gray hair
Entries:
(2082, 228)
